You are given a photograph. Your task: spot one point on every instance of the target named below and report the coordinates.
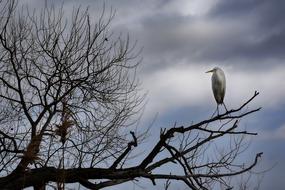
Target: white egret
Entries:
(218, 86)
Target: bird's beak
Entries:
(210, 71)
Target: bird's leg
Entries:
(226, 109)
(212, 116)
(218, 109)
(214, 113)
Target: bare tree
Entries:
(68, 94)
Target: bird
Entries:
(218, 86)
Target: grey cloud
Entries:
(267, 18)
(233, 8)
(249, 30)
(267, 13)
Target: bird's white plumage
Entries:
(218, 84)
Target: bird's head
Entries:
(213, 70)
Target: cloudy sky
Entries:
(182, 39)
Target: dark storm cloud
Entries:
(233, 8)
(267, 23)
(268, 13)
(248, 30)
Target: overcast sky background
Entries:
(182, 39)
